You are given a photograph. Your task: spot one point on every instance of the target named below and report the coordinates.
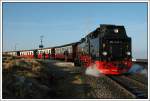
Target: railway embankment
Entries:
(51, 79)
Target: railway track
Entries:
(103, 88)
(139, 89)
(139, 77)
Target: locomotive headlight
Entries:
(104, 53)
(116, 30)
(128, 53)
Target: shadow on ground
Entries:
(49, 81)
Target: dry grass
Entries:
(23, 78)
(32, 78)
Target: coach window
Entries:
(60, 50)
(57, 50)
(68, 49)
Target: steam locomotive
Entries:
(108, 47)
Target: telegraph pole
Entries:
(41, 46)
(41, 40)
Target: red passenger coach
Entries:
(108, 47)
(44, 53)
(65, 52)
(40, 53)
(26, 54)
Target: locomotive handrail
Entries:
(140, 60)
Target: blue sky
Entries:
(61, 23)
